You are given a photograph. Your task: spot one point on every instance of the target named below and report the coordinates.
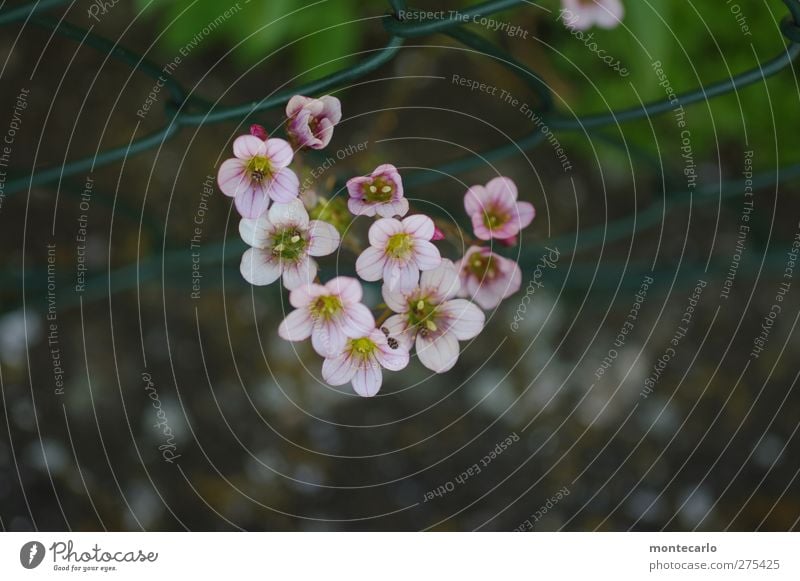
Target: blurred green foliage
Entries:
(697, 43)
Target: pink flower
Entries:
(399, 251)
(257, 174)
(488, 278)
(329, 314)
(495, 211)
(431, 315)
(282, 243)
(362, 361)
(583, 14)
(380, 193)
(311, 121)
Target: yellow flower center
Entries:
(399, 245)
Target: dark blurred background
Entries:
(258, 441)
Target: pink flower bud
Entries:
(257, 130)
(438, 234)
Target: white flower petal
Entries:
(465, 318)
(419, 226)
(440, 354)
(324, 238)
(255, 233)
(259, 268)
(284, 186)
(426, 255)
(290, 214)
(382, 229)
(370, 263)
(296, 326)
(397, 326)
(279, 152)
(395, 298)
(338, 370)
(248, 146)
(347, 287)
(368, 379)
(299, 273)
(393, 359)
(232, 177)
(442, 282)
(358, 321)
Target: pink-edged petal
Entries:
(248, 146)
(466, 320)
(525, 214)
(367, 379)
(502, 189)
(357, 321)
(355, 186)
(255, 233)
(284, 186)
(279, 152)
(332, 108)
(359, 207)
(395, 208)
(479, 227)
(392, 359)
(370, 264)
(296, 326)
(426, 255)
(232, 177)
(439, 354)
(419, 226)
(252, 201)
(400, 277)
(381, 230)
(395, 298)
(258, 267)
(443, 281)
(289, 214)
(397, 326)
(338, 370)
(295, 104)
(347, 287)
(299, 273)
(328, 340)
(475, 200)
(324, 238)
(303, 295)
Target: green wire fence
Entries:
(185, 110)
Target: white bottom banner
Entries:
(390, 556)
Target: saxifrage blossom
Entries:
(399, 251)
(362, 362)
(329, 314)
(283, 242)
(380, 193)
(311, 121)
(487, 278)
(495, 211)
(430, 317)
(258, 173)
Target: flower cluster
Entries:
(432, 303)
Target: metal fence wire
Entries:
(183, 109)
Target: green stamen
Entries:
(326, 307)
(399, 245)
(379, 190)
(259, 169)
(289, 244)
